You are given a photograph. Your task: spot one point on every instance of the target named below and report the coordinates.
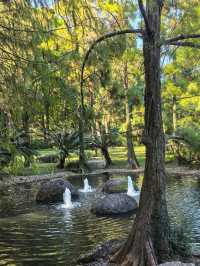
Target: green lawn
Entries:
(118, 155)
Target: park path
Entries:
(173, 171)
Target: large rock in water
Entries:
(118, 203)
(52, 191)
(115, 185)
(99, 255)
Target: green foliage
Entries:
(16, 166)
(191, 135)
(65, 142)
(5, 158)
(186, 146)
(105, 139)
(42, 53)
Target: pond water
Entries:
(49, 235)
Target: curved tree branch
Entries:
(144, 15)
(82, 109)
(100, 39)
(186, 44)
(181, 37)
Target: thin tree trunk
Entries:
(132, 159)
(151, 227)
(5, 123)
(26, 136)
(131, 156)
(174, 115)
(82, 157)
(94, 136)
(47, 116)
(104, 145)
(61, 164)
(93, 126)
(45, 137)
(106, 156)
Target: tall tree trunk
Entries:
(5, 123)
(174, 115)
(93, 126)
(26, 136)
(132, 159)
(82, 157)
(150, 231)
(104, 145)
(45, 137)
(94, 136)
(106, 156)
(47, 119)
(61, 164)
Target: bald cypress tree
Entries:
(148, 242)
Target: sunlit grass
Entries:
(118, 155)
(46, 152)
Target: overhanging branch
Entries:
(186, 44)
(180, 37)
(100, 39)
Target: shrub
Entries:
(186, 145)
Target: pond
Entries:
(49, 235)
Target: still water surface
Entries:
(48, 235)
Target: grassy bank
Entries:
(118, 155)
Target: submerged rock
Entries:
(99, 255)
(115, 186)
(118, 203)
(52, 191)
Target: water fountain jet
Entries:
(131, 190)
(67, 199)
(87, 188)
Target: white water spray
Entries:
(67, 199)
(87, 187)
(131, 191)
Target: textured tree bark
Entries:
(150, 231)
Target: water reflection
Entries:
(49, 235)
(184, 208)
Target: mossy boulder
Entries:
(53, 190)
(113, 204)
(115, 185)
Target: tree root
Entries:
(141, 254)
